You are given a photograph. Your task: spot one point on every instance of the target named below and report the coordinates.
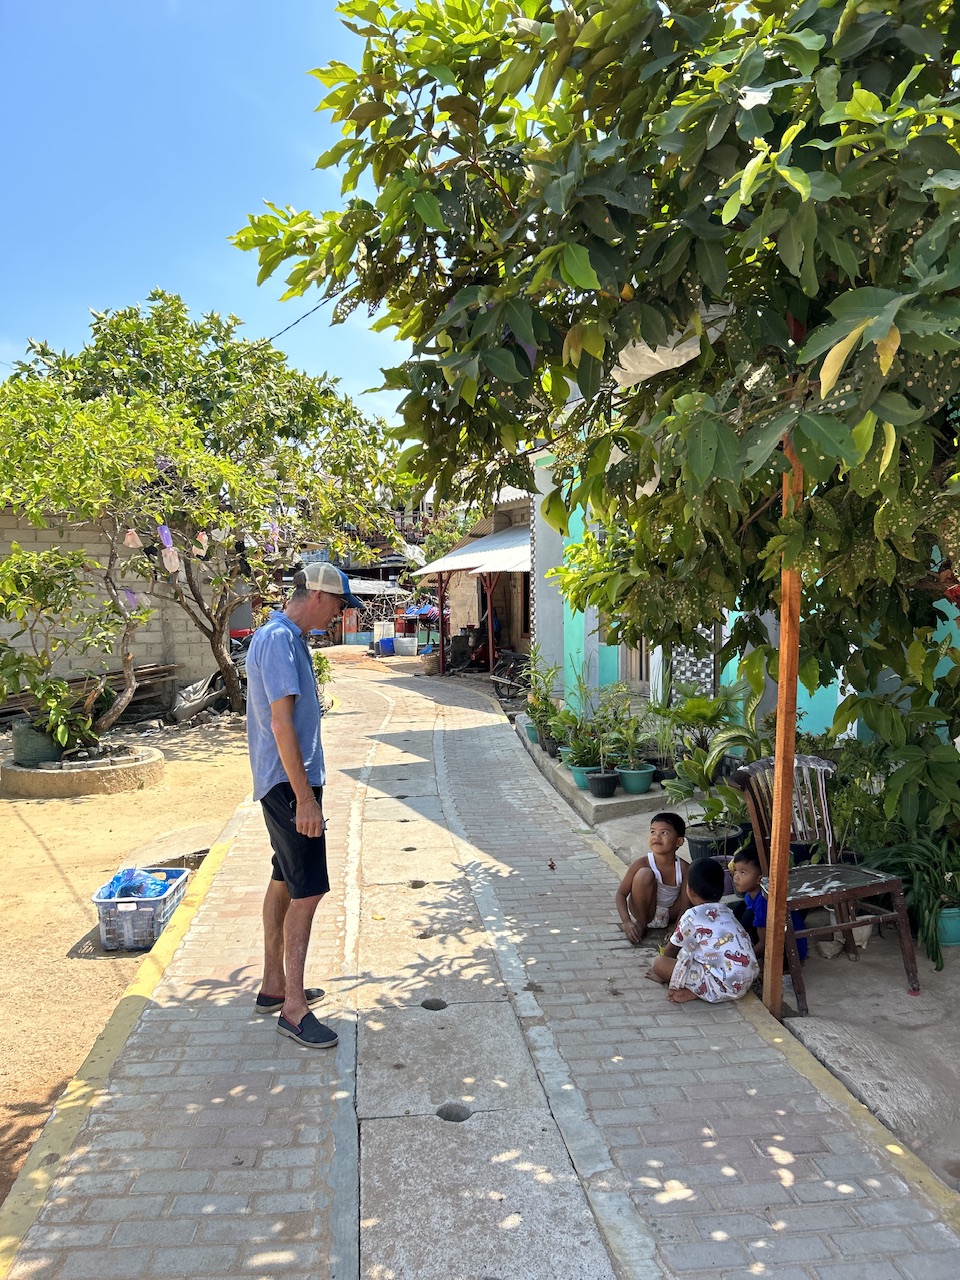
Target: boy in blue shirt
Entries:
(752, 911)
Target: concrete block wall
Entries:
(168, 636)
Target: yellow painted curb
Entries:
(25, 1199)
(944, 1199)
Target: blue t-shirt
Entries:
(756, 904)
(278, 664)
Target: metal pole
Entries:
(784, 757)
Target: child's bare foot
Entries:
(653, 975)
(680, 995)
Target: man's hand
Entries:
(309, 817)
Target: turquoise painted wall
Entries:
(605, 667)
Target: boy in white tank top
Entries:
(652, 893)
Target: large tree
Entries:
(202, 458)
(558, 184)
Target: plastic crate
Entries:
(134, 924)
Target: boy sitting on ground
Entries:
(651, 894)
(709, 956)
(752, 911)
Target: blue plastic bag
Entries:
(131, 882)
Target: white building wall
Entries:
(546, 602)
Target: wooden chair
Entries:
(843, 886)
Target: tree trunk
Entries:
(220, 644)
(122, 700)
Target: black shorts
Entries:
(299, 861)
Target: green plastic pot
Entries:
(948, 928)
(530, 729)
(564, 753)
(581, 772)
(636, 782)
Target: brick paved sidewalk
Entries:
(457, 961)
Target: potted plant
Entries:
(583, 757)
(561, 726)
(723, 826)
(631, 743)
(612, 705)
(930, 870)
(540, 698)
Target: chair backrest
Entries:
(811, 812)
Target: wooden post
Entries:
(441, 597)
(490, 581)
(785, 753)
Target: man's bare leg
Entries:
(296, 941)
(275, 905)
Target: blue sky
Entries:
(137, 136)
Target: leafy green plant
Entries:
(322, 667)
(930, 871)
(584, 751)
(563, 724)
(697, 717)
(55, 614)
(695, 780)
(919, 769)
(541, 704)
(200, 457)
(613, 706)
(633, 741)
(751, 739)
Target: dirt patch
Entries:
(60, 986)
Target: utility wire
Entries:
(297, 321)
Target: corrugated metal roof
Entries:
(505, 552)
(374, 587)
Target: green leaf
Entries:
(428, 210)
(797, 179)
(830, 434)
(519, 316)
(762, 441)
(712, 265)
(576, 268)
(501, 364)
(555, 512)
(589, 375)
(443, 75)
(702, 448)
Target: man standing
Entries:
(286, 758)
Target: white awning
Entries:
(505, 552)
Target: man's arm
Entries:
(309, 813)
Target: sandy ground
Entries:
(60, 987)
